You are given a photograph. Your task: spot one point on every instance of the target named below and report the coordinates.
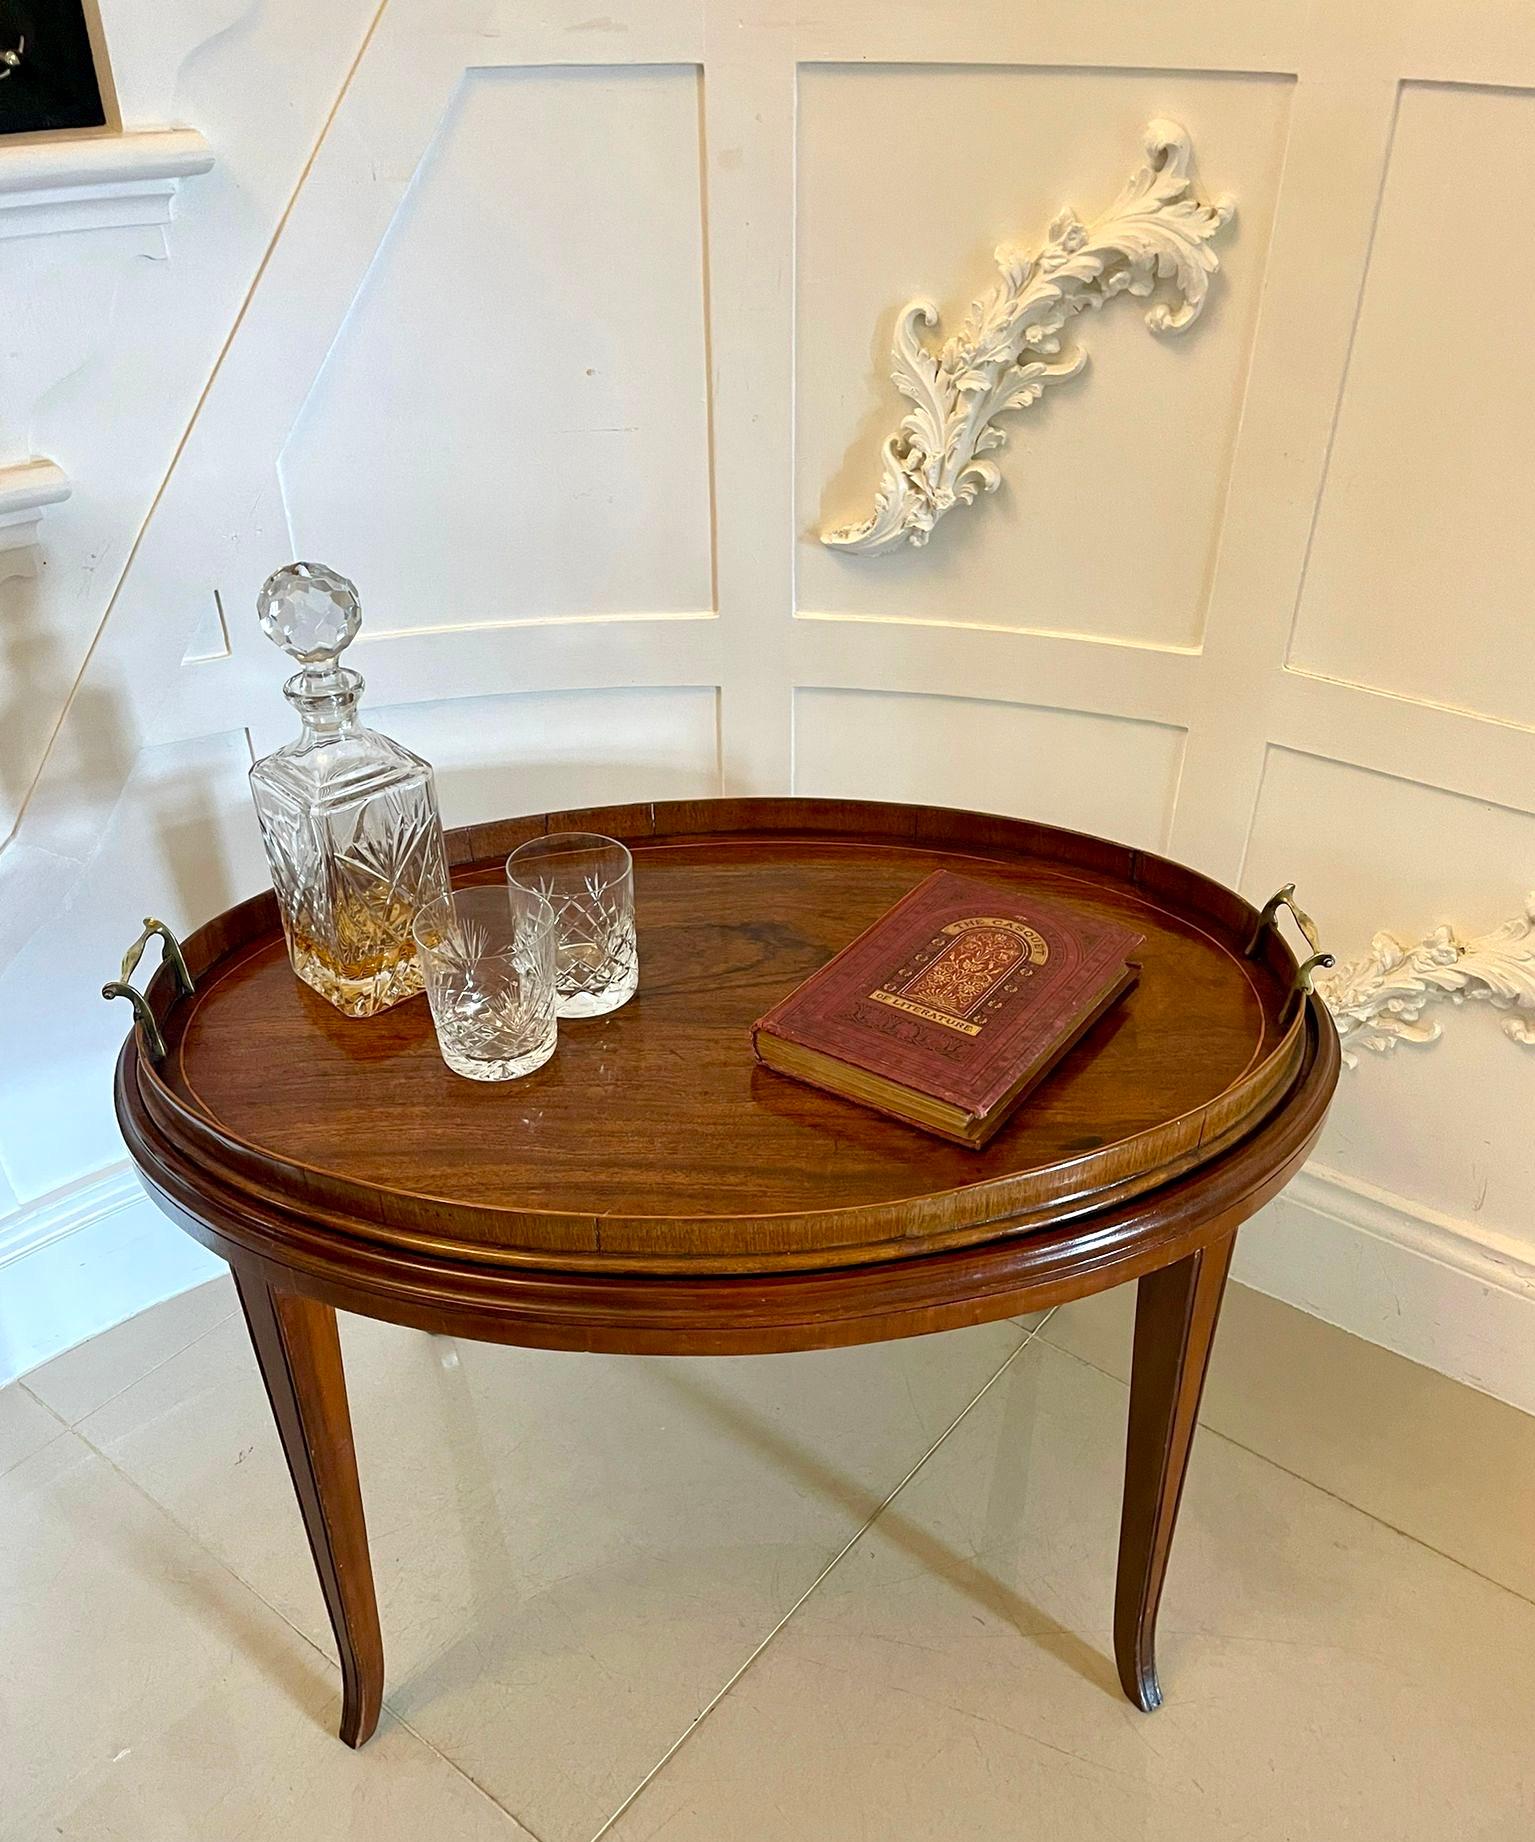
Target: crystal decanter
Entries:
(349, 817)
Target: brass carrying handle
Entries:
(1305, 973)
(170, 955)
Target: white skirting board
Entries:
(1448, 1294)
(84, 1258)
(1443, 1292)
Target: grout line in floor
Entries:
(1030, 1333)
(469, 1778)
(1300, 1477)
(331, 1666)
(127, 1387)
(851, 1542)
(27, 1457)
(38, 1401)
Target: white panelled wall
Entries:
(564, 331)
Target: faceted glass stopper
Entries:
(310, 611)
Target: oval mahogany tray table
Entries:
(652, 1190)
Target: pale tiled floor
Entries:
(578, 1557)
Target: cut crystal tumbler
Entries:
(489, 960)
(588, 880)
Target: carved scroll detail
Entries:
(1010, 347)
(1378, 1000)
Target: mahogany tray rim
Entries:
(711, 1313)
(951, 1216)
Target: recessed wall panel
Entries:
(513, 422)
(1109, 512)
(183, 844)
(497, 757)
(1101, 774)
(1445, 1123)
(1419, 575)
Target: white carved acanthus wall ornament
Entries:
(1378, 1000)
(1010, 347)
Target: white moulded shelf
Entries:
(96, 181)
(27, 488)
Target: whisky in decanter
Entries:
(349, 817)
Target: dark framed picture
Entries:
(48, 75)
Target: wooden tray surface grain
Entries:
(653, 1142)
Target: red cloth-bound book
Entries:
(952, 1006)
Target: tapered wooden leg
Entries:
(299, 1354)
(1175, 1316)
